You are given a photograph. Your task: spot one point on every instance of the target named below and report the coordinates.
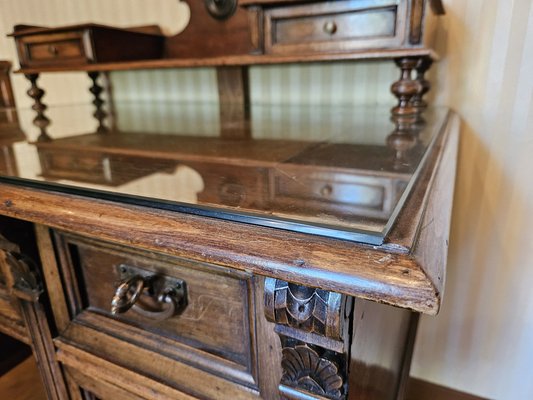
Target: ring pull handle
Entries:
(169, 304)
(152, 296)
(127, 294)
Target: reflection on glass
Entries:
(339, 171)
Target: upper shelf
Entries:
(259, 32)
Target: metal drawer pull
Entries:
(151, 296)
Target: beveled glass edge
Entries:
(354, 235)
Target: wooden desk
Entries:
(236, 262)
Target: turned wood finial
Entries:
(100, 114)
(405, 88)
(424, 63)
(40, 121)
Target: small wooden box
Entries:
(85, 44)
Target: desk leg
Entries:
(40, 121)
(313, 326)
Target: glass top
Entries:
(342, 172)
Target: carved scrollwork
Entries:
(305, 369)
(24, 278)
(221, 9)
(312, 325)
(308, 309)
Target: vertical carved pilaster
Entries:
(423, 65)
(313, 327)
(25, 285)
(40, 121)
(100, 114)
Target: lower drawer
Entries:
(204, 332)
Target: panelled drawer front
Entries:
(340, 26)
(332, 192)
(47, 49)
(212, 332)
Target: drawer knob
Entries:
(330, 27)
(326, 190)
(165, 299)
(53, 50)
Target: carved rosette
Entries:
(312, 325)
(305, 369)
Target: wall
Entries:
(481, 341)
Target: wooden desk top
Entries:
(249, 188)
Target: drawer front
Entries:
(333, 192)
(47, 49)
(85, 167)
(236, 186)
(339, 26)
(210, 331)
(98, 167)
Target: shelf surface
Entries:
(332, 171)
(237, 60)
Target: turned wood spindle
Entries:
(100, 114)
(405, 89)
(424, 63)
(40, 121)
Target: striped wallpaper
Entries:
(482, 341)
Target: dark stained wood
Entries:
(390, 275)
(41, 121)
(83, 44)
(234, 99)
(25, 286)
(7, 97)
(205, 307)
(217, 277)
(240, 60)
(207, 36)
(331, 27)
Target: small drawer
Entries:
(96, 167)
(191, 321)
(338, 26)
(331, 192)
(230, 185)
(51, 49)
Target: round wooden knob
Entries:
(330, 27)
(326, 190)
(52, 50)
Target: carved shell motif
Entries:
(305, 369)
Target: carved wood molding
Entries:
(307, 309)
(314, 370)
(312, 325)
(25, 285)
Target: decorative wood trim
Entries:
(237, 60)
(312, 325)
(27, 288)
